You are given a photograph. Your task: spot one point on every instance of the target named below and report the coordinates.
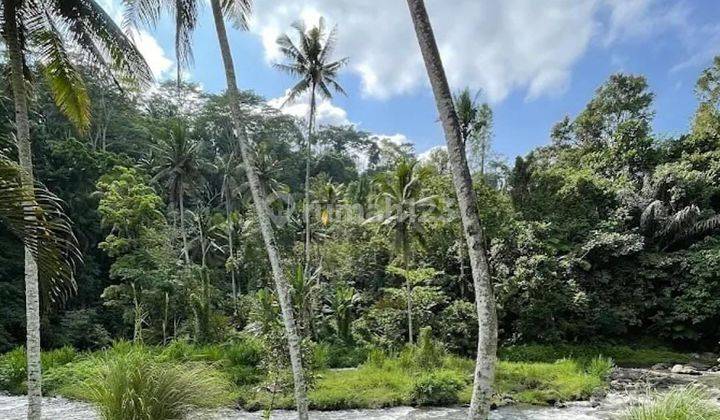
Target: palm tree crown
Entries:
(54, 28)
(309, 61)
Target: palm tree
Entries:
(310, 62)
(237, 10)
(178, 164)
(228, 165)
(402, 208)
(91, 32)
(484, 296)
(475, 126)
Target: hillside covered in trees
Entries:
(217, 243)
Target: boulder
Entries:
(684, 370)
(660, 366)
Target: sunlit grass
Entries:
(688, 403)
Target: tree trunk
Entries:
(32, 292)
(308, 157)
(231, 249)
(181, 203)
(484, 297)
(165, 318)
(281, 285)
(138, 315)
(408, 290)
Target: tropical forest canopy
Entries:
(607, 234)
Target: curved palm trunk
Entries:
(32, 293)
(281, 285)
(484, 298)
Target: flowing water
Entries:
(13, 408)
(627, 387)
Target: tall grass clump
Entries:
(133, 387)
(687, 403)
(600, 366)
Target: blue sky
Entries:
(535, 60)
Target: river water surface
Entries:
(13, 408)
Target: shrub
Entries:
(438, 388)
(12, 371)
(132, 386)
(621, 355)
(13, 366)
(326, 355)
(600, 366)
(688, 403)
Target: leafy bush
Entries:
(600, 366)
(689, 403)
(13, 371)
(13, 366)
(133, 387)
(458, 327)
(326, 355)
(438, 388)
(621, 355)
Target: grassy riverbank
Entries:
(416, 376)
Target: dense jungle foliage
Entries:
(608, 233)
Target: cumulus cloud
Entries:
(327, 113)
(497, 45)
(161, 65)
(154, 54)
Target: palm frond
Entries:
(680, 221)
(63, 79)
(186, 14)
(649, 216)
(237, 11)
(97, 36)
(37, 218)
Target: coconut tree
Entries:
(484, 297)
(402, 206)
(178, 165)
(475, 126)
(237, 10)
(227, 165)
(309, 60)
(53, 27)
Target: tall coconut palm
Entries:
(402, 207)
(475, 126)
(53, 26)
(237, 10)
(178, 165)
(309, 60)
(228, 167)
(484, 296)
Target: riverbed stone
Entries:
(684, 370)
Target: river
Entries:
(13, 408)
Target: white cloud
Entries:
(425, 156)
(642, 18)
(397, 138)
(154, 54)
(327, 113)
(498, 45)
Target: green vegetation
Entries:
(126, 375)
(622, 355)
(689, 403)
(607, 234)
